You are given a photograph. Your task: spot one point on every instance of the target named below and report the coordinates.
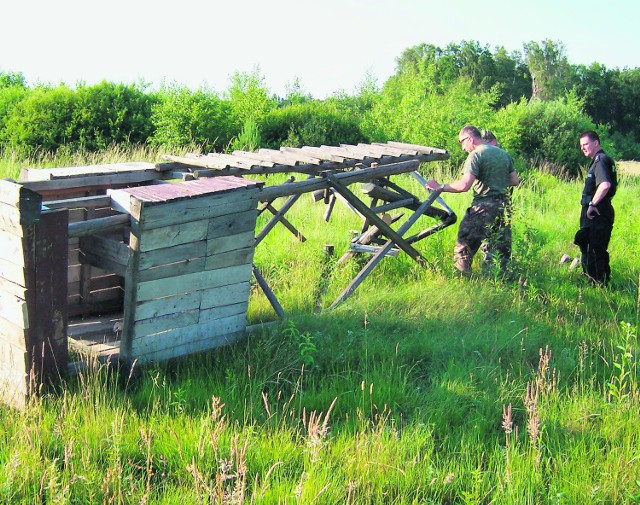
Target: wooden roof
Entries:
(307, 159)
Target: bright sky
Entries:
(328, 45)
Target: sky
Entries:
(328, 46)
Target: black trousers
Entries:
(593, 239)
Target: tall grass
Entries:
(421, 388)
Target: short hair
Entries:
(488, 135)
(591, 135)
(471, 131)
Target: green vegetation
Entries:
(420, 388)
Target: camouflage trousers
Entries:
(486, 226)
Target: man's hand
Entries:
(432, 185)
(592, 212)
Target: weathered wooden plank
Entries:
(376, 258)
(266, 158)
(230, 258)
(193, 347)
(93, 326)
(48, 314)
(371, 249)
(99, 225)
(197, 197)
(325, 153)
(215, 313)
(10, 219)
(248, 159)
(104, 280)
(183, 213)
(277, 217)
(104, 264)
(12, 248)
(14, 310)
(13, 356)
(12, 272)
(225, 295)
(213, 161)
(166, 255)
(42, 174)
(28, 202)
(192, 282)
(398, 151)
(290, 155)
(107, 248)
(84, 202)
(230, 242)
(97, 181)
(163, 323)
(176, 269)
(421, 149)
(158, 238)
(168, 305)
(11, 333)
(14, 389)
(12, 288)
(232, 224)
(181, 341)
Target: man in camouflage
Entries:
(489, 170)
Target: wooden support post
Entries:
(327, 267)
(330, 205)
(268, 293)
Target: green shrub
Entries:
(545, 131)
(109, 113)
(182, 117)
(42, 121)
(10, 96)
(412, 109)
(312, 123)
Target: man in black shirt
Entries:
(597, 215)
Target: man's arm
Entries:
(459, 186)
(514, 180)
(601, 192)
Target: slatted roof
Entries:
(307, 159)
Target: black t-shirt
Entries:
(602, 169)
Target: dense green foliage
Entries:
(421, 388)
(536, 101)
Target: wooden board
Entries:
(192, 282)
(189, 339)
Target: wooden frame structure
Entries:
(141, 261)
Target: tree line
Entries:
(535, 100)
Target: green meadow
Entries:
(421, 388)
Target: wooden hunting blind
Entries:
(144, 262)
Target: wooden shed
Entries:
(140, 261)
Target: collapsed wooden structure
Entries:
(141, 261)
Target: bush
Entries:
(42, 121)
(411, 109)
(545, 131)
(108, 113)
(182, 117)
(312, 123)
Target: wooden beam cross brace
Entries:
(373, 218)
(362, 275)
